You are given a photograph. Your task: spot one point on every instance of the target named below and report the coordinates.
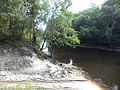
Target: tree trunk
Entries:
(43, 43)
(34, 37)
(34, 32)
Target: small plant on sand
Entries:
(27, 86)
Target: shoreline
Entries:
(24, 65)
(112, 48)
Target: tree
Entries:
(33, 14)
(90, 26)
(113, 17)
(59, 25)
(99, 25)
(60, 31)
(12, 14)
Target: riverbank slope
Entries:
(18, 65)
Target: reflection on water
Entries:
(100, 64)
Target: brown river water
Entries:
(100, 64)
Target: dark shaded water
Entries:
(98, 63)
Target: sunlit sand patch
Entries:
(92, 85)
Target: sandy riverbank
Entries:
(21, 65)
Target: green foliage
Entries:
(92, 35)
(99, 25)
(60, 31)
(21, 19)
(26, 86)
(118, 2)
(11, 18)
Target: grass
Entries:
(27, 86)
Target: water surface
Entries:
(100, 64)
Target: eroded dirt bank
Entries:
(21, 65)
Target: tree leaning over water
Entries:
(59, 31)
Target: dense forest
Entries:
(99, 25)
(22, 20)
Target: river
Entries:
(100, 64)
